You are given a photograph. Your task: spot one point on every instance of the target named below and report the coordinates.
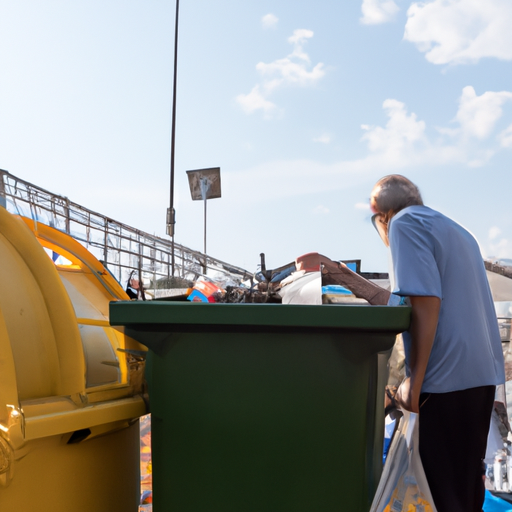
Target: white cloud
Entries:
(376, 12)
(269, 21)
(292, 70)
(403, 143)
(478, 115)
(287, 72)
(325, 138)
(362, 206)
(494, 232)
(321, 210)
(499, 248)
(404, 140)
(505, 137)
(401, 133)
(294, 177)
(298, 39)
(461, 31)
(255, 100)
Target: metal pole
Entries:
(105, 242)
(171, 214)
(68, 223)
(3, 199)
(204, 269)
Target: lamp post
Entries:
(171, 213)
(204, 184)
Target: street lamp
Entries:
(204, 184)
(171, 213)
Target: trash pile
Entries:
(311, 279)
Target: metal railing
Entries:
(124, 250)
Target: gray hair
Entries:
(394, 193)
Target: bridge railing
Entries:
(124, 250)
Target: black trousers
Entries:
(452, 441)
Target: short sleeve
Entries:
(414, 264)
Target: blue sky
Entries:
(303, 106)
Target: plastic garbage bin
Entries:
(69, 402)
(264, 406)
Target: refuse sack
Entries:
(302, 288)
(403, 486)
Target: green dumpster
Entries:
(264, 406)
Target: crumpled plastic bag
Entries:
(403, 486)
(407, 497)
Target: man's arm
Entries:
(334, 272)
(425, 315)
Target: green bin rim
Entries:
(172, 315)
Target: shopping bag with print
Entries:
(403, 486)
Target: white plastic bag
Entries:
(403, 486)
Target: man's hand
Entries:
(405, 398)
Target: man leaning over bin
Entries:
(453, 350)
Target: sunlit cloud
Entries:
(376, 12)
(255, 100)
(402, 143)
(498, 247)
(269, 21)
(401, 134)
(494, 232)
(321, 210)
(505, 137)
(292, 70)
(298, 39)
(460, 31)
(476, 120)
(478, 115)
(324, 138)
(404, 138)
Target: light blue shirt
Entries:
(436, 257)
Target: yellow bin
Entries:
(70, 385)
